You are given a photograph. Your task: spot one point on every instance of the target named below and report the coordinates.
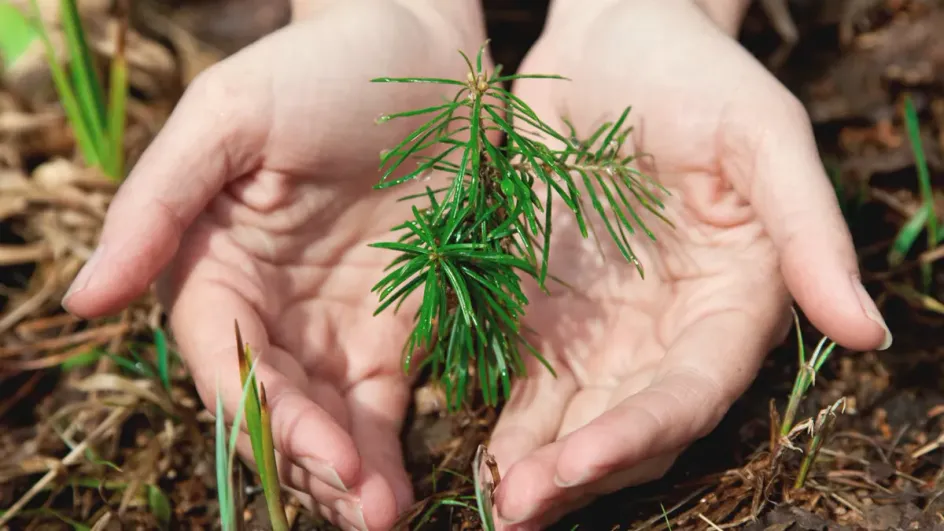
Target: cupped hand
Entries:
(255, 204)
(647, 366)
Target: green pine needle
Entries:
(466, 253)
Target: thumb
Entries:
(785, 181)
(214, 135)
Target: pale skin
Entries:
(255, 203)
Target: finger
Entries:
(569, 503)
(304, 499)
(528, 489)
(788, 187)
(311, 491)
(529, 498)
(320, 509)
(377, 407)
(370, 504)
(571, 500)
(705, 369)
(302, 431)
(325, 511)
(214, 135)
(532, 415)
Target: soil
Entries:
(880, 466)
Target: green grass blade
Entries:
(921, 162)
(253, 415)
(665, 516)
(483, 495)
(824, 355)
(134, 367)
(913, 127)
(234, 437)
(270, 481)
(251, 410)
(82, 360)
(795, 394)
(163, 358)
(117, 102)
(225, 455)
(16, 33)
(159, 505)
(238, 419)
(223, 495)
(907, 236)
(84, 78)
(80, 128)
(259, 426)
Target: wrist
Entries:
(460, 22)
(727, 15)
(458, 13)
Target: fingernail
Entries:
(871, 310)
(567, 483)
(513, 519)
(323, 471)
(352, 512)
(85, 275)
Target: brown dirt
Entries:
(880, 467)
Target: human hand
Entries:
(255, 202)
(646, 366)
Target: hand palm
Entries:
(297, 278)
(272, 230)
(285, 252)
(646, 366)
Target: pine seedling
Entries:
(487, 226)
(99, 127)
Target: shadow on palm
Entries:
(288, 258)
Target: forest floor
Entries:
(93, 443)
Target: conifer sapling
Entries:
(465, 253)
